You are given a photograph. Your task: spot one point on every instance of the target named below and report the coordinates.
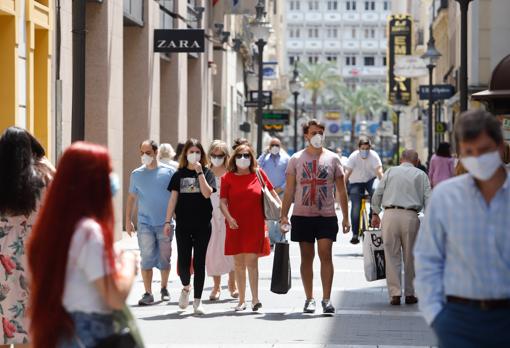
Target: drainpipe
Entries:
(78, 118)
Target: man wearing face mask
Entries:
(313, 175)
(148, 185)
(462, 254)
(274, 163)
(362, 167)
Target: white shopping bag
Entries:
(373, 255)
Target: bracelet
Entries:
(200, 173)
(168, 222)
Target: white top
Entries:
(363, 170)
(86, 263)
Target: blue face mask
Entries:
(364, 153)
(114, 184)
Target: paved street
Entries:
(364, 318)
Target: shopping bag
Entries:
(281, 278)
(373, 255)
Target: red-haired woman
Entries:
(76, 278)
(20, 193)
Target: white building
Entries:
(350, 33)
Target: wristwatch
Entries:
(200, 173)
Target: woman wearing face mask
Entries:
(191, 187)
(241, 204)
(217, 263)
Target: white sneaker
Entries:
(184, 299)
(197, 307)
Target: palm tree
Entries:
(317, 78)
(364, 101)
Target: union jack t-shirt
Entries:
(315, 182)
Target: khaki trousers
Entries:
(399, 231)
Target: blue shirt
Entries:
(463, 248)
(275, 166)
(150, 188)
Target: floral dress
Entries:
(14, 230)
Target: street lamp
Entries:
(430, 56)
(463, 82)
(261, 31)
(398, 107)
(295, 86)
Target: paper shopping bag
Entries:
(373, 255)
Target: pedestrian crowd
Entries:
(64, 283)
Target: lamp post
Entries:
(463, 82)
(261, 31)
(295, 86)
(398, 107)
(430, 56)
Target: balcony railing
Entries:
(133, 13)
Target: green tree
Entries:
(318, 78)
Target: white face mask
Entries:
(243, 163)
(275, 150)
(217, 162)
(146, 159)
(364, 153)
(193, 157)
(482, 167)
(317, 140)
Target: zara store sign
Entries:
(179, 40)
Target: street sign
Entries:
(273, 127)
(267, 96)
(179, 40)
(441, 127)
(439, 92)
(272, 117)
(253, 103)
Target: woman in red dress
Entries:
(241, 204)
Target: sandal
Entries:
(256, 307)
(240, 307)
(215, 295)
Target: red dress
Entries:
(244, 196)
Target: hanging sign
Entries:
(400, 27)
(439, 92)
(179, 40)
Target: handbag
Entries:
(281, 278)
(126, 333)
(271, 206)
(373, 255)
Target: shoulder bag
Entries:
(270, 205)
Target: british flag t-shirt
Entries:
(315, 182)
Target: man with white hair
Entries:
(403, 192)
(166, 154)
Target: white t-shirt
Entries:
(363, 170)
(86, 263)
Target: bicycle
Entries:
(364, 219)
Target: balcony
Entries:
(314, 45)
(350, 45)
(297, 44)
(332, 17)
(295, 18)
(335, 44)
(370, 17)
(39, 14)
(351, 17)
(313, 17)
(133, 13)
(7, 7)
(370, 45)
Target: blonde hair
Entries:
(220, 144)
(166, 151)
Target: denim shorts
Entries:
(89, 329)
(155, 247)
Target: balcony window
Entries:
(369, 61)
(313, 5)
(332, 33)
(350, 60)
(369, 5)
(313, 59)
(166, 21)
(133, 13)
(350, 5)
(384, 61)
(332, 58)
(313, 33)
(333, 5)
(386, 5)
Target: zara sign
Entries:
(179, 40)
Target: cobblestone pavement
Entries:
(364, 317)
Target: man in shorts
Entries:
(313, 174)
(148, 185)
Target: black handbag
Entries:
(122, 339)
(281, 278)
(126, 333)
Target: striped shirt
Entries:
(463, 248)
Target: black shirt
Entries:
(192, 207)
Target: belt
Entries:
(401, 208)
(482, 304)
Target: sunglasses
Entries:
(218, 156)
(243, 155)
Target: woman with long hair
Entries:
(191, 187)
(442, 164)
(21, 187)
(77, 279)
(241, 204)
(217, 263)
